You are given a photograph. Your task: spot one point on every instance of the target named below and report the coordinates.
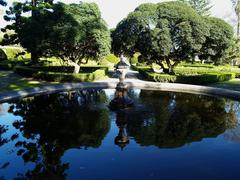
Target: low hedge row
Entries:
(67, 77)
(69, 69)
(43, 74)
(9, 65)
(187, 79)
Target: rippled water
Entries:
(74, 135)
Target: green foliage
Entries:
(74, 32)
(62, 74)
(160, 32)
(232, 54)
(70, 77)
(218, 41)
(134, 59)
(77, 33)
(15, 53)
(190, 75)
(112, 58)
(203, 7)
(28, 30)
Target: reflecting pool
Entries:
(74, 135)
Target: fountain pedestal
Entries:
(121, 100)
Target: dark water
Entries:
(75, 136)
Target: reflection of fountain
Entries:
(121, 99)
(122, 138)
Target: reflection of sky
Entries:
(3, 109)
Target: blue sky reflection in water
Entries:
(73, 135)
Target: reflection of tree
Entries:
(55, 123)
(178, 119)
(234, 133)
(3, 129)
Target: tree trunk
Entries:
(76, 67)
(170, 67)
(165, 70)
(193, 59)
(34, 58)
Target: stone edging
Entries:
(235, 95)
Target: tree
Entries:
(77, 33)
(232, 54)
(202, 7)
(167, 33)
(236, 5)
(28, 30)
(218, 40)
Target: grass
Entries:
(13, 82)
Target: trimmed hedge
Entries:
(67, 77)
(53, 75)
(187, 79)
(9, 65)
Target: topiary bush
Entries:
(52, 73)
(199, 79)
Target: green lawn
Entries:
(13, 82)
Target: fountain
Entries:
(121, 100)
(121, 139)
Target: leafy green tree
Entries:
(218, 40)
(232, 54)
(28, 31)
(77, 33)
(164, 33)
(203, 7)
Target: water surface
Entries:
(74, 135)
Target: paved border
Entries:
(174, 87)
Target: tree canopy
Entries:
(218, 41)
(160, 33)
(201, 6)
(78, 33)
(28, 30)
(74, 32)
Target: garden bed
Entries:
(198, 76)
(63, 73)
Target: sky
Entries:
(113, 11)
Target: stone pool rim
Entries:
(170, 87)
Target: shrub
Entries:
(188, 79)
(70, 77)
(25, 71)
(12, 52)
(51, 73)
(134, 59)
(112, 58)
